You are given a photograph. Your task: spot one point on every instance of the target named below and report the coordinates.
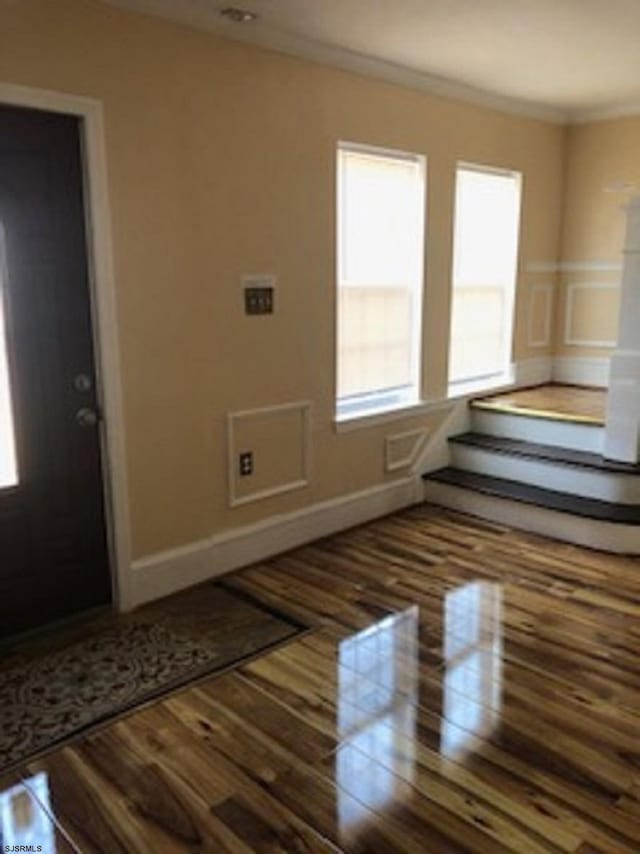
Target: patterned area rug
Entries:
(54, 690)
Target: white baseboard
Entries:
(164, 573)
(535, 371)
(578, 370)
(574, 370)
(582, 370)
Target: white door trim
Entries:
(103, 299)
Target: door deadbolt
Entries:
(82, 383)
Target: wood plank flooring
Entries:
(553, 401)
(65, 679)
(465, 687)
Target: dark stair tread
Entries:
(562, 502)
(534, 450)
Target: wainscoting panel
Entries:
(581, 370)
(401, 450)
(540, 312)
(592, 314)
(277, 437)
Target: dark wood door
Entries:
(53, 545)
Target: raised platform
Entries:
(552, 402)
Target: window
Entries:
(381, 200)
(485, 261)
(8, 464)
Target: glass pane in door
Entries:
(8, 463)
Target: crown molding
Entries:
(625, 110)
(191, 13)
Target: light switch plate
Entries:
(258, 293)
(258, 300)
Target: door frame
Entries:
(102, 296)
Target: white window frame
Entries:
(388, 400)
(505, 375)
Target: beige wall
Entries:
(600, 156)
(221, 162)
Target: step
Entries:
(559, 515)
(526, 411)
(580, 473)
(578, 436)
(564, 502)
(551, 453)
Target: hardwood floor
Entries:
(553, 401)
(67, 678)
(465, 687)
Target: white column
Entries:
(622, 434)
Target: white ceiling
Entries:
(562, 59)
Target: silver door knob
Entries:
(87, 417)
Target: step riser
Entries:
(606, 536)
(561, 434)
(588, 483)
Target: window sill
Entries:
(469, 388)
(373, 417)
(363, 419)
